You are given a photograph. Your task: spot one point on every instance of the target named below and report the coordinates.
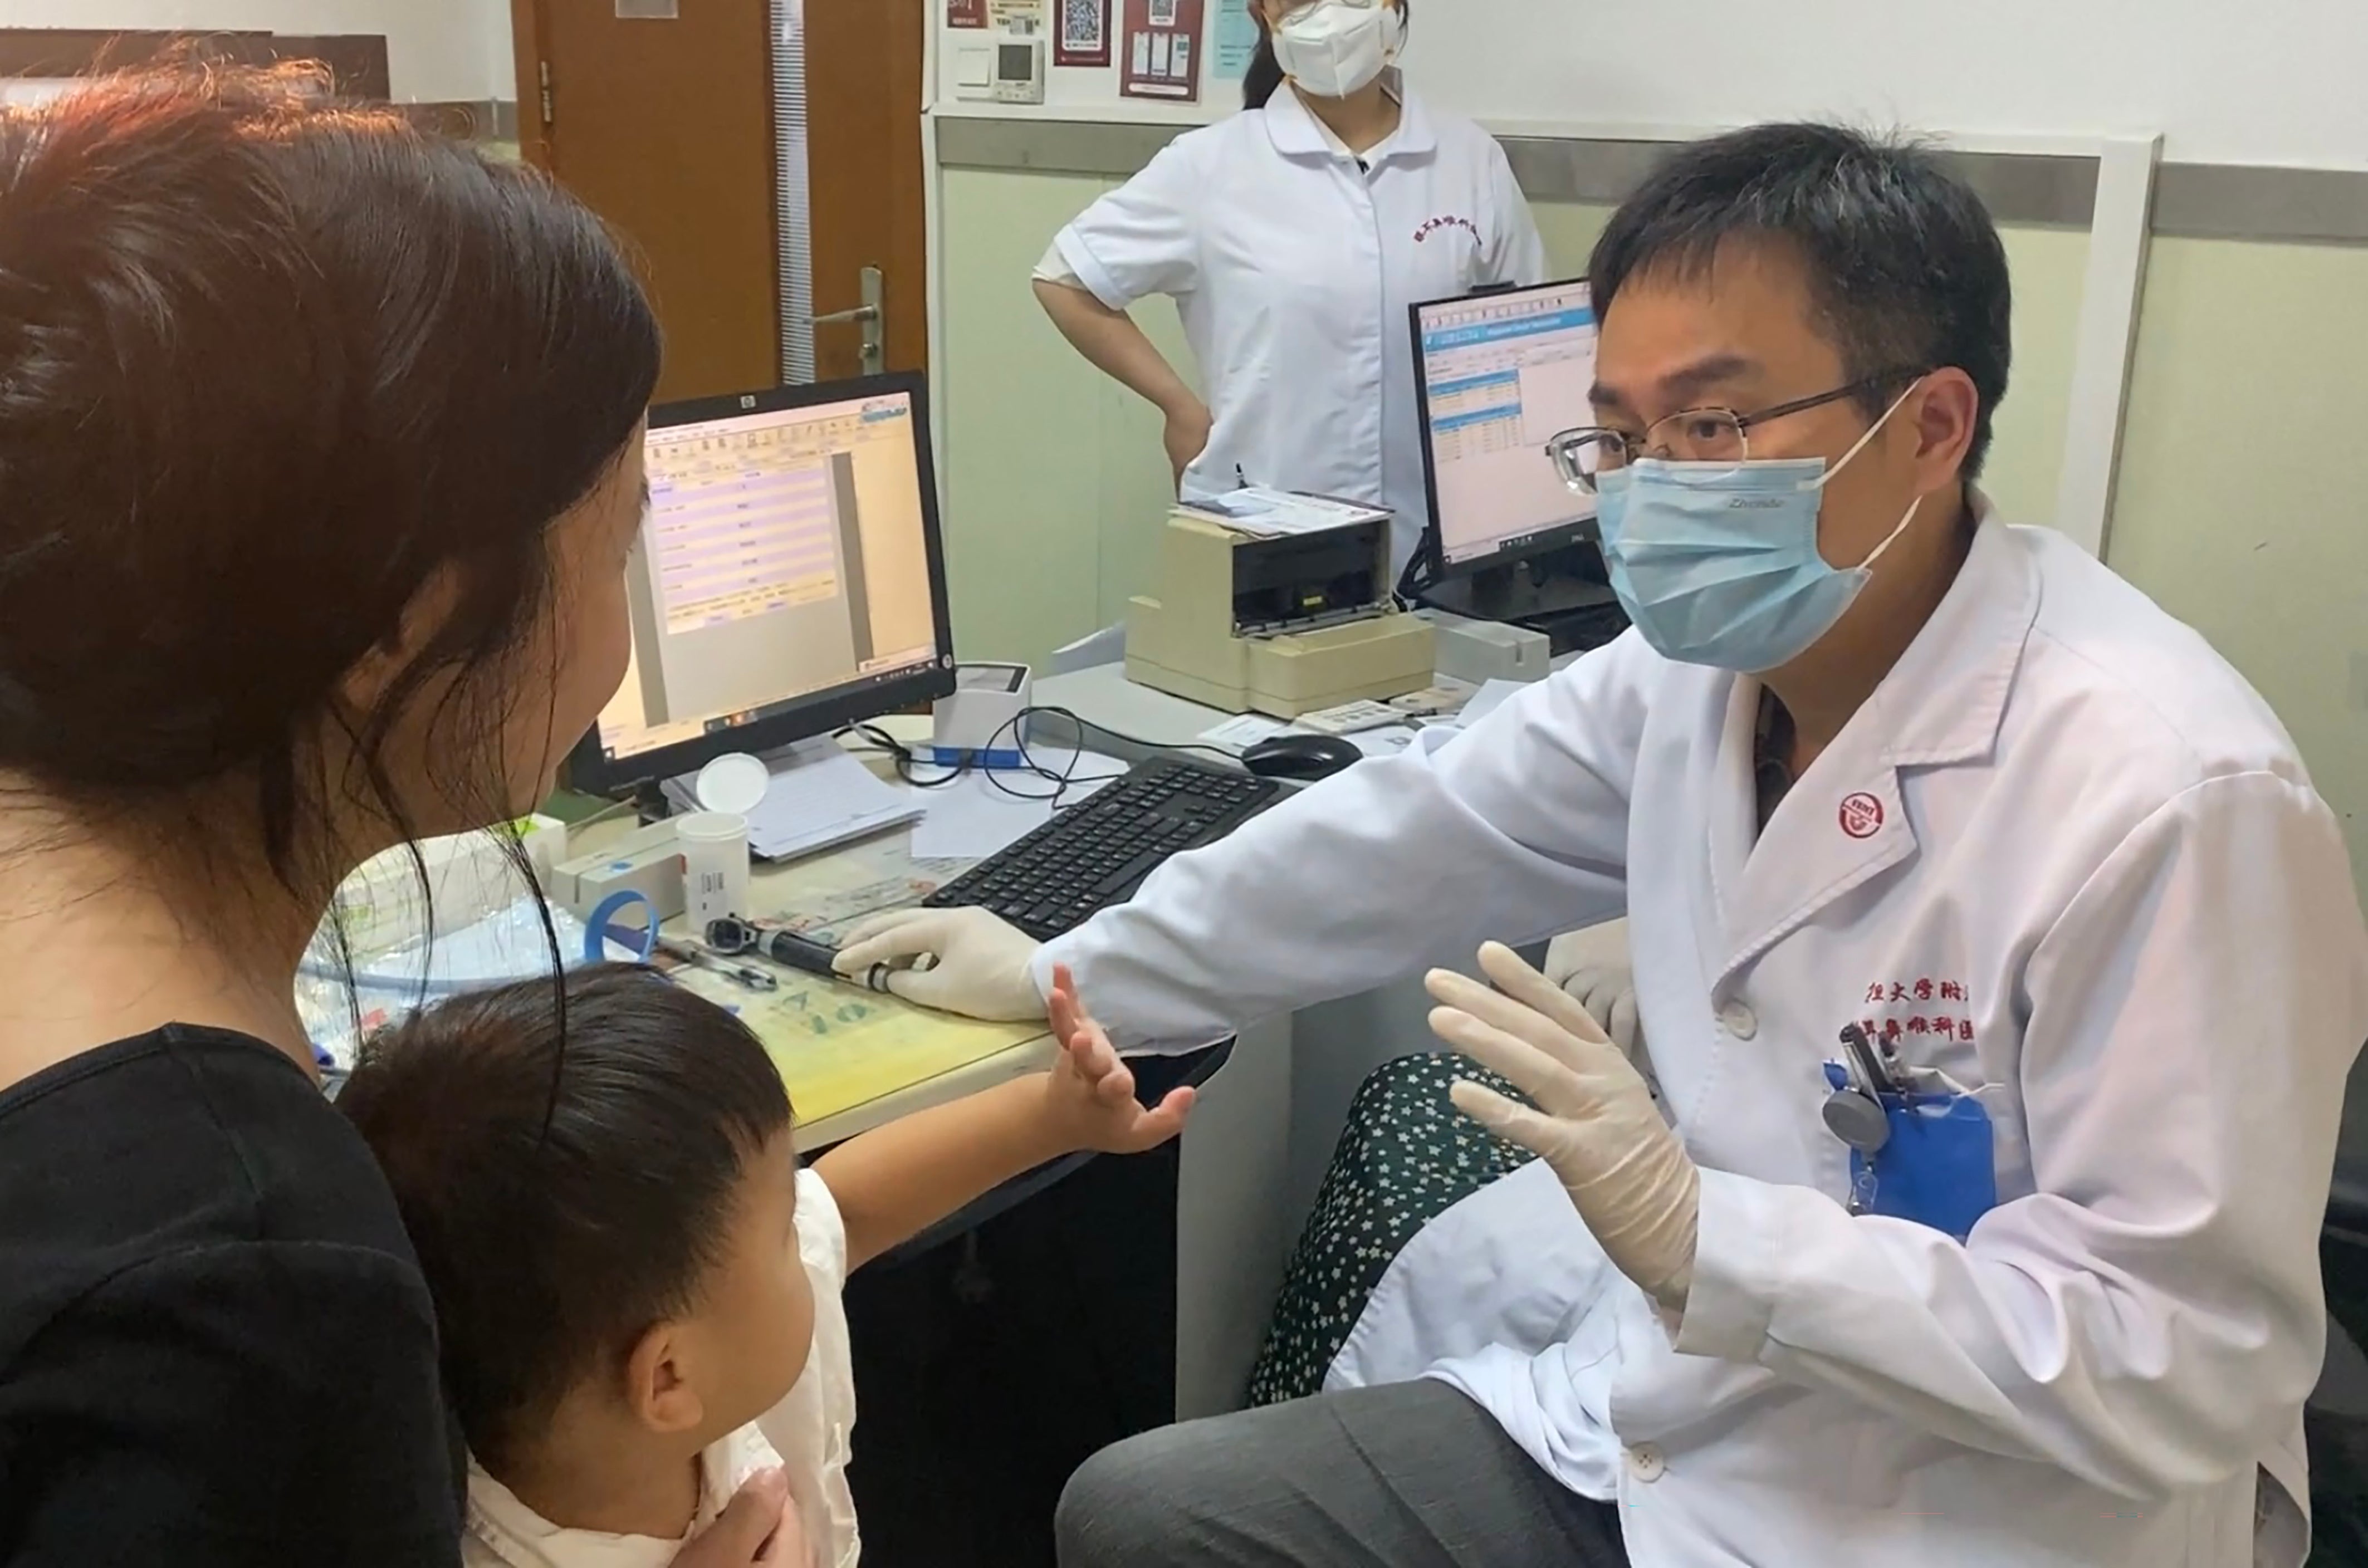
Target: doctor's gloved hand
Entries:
(1607, 991)
(959, 961)
(1596, 1125)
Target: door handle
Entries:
(872, 314)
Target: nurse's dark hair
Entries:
(556, 1226)
(269, 367)
(1906, 269)
(1265, 73)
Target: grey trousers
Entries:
(1412, 1476)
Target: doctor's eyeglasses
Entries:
(1717, 438)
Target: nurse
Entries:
(1292, 238)
(1874, 762)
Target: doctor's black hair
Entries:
(1264, 73)
(555, 1226)
(271, 367)
(1904, 266)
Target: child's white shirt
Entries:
(808, 1434)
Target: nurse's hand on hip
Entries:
(960, 960)
(1186, 437)
(1595, 1123)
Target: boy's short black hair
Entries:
(561, 1200)
(1906, 268)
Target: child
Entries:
(636, 1286)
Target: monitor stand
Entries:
(1561, 594)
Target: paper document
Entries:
(1238, 734)
(1388, 741)
(983, 813)
(1488, 698)
(1256, 509)
(1445, 697)
(821, 795)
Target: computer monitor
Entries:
(1498, 375)
(789, 579)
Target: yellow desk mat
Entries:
(840, 1046)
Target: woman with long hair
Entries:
(320, 458)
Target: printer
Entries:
(1276, 603)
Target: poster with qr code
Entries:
(1083, 38)
(1162, 57)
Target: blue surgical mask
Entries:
(1717, 564)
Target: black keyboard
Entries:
(1097, 853)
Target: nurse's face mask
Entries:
(1712, 552)
(1334, 48)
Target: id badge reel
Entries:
(1932, 1160)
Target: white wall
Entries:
(437, 51)
(2261, 82)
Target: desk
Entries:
(1233, 1233)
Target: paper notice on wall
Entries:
(1162, 50)
(1020, 18)
(1232, 42)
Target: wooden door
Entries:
(863, 170)
(660, 115)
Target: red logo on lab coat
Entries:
(1861, 816)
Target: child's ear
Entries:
(658, 1388)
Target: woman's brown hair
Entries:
(269, 366)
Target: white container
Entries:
(714, 866)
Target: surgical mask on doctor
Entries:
(1333, 48)
(1717, 564)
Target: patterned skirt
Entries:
(1406, 1157)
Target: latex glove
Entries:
(1607, 991)
(758, 1528)
(960, 960)
(1627, 1174)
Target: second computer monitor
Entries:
(1498, 375)
(789, 578)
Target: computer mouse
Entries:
(1304, 759)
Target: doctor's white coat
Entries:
(2064, 854)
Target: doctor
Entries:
(1292, 238)
(1874, 758)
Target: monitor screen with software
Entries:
(789, 578)
(1499, 374)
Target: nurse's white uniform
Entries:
(1292, 267)
(2075, 861)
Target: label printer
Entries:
(1276, 603)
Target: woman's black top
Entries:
(215, 1344)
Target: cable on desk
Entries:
(1085, 724)
(901, 758)
(906, 762)
(1062, 781)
